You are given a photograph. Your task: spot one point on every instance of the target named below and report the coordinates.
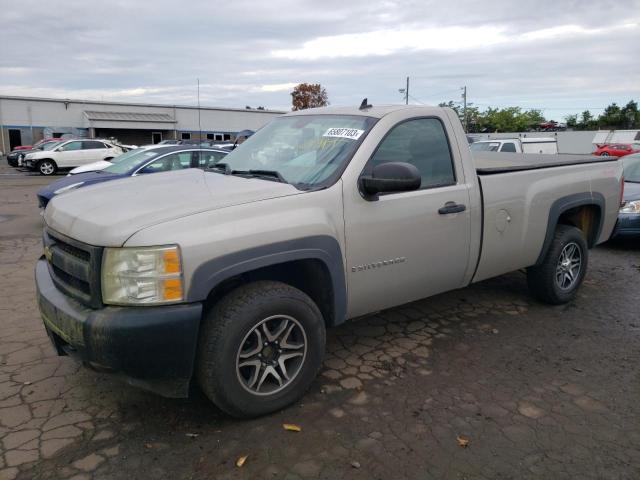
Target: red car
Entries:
(617, 149)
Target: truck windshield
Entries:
(631, 165)
(484, 146)
(305, 151)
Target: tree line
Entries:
(509, 119)
(613, 117)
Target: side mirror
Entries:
(59, 149)
(390, 177)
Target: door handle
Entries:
(451, 207)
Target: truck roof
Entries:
(376, 111)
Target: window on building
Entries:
(219, 137)
(227, 137)
(185, 136)
(209, 136)
(423, 143)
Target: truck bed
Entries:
(491, 163)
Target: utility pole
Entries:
(464, 108)
(199, 124)
(406, 95)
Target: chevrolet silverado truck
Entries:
(230, 277)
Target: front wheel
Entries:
(47, 167)
(260, 348)
(557, 279)
(604, 154)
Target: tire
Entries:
(233, 359)
(557, 279)
(604, 154)
(47, 167)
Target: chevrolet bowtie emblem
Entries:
(48, 254)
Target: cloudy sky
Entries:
(562, 56)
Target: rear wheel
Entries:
(47, 167)
(558, 278)
(260, 348)
(604, 154)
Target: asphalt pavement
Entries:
(479, 383)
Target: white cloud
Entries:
(390, 41)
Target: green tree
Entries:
(630, 115)
(611, 117)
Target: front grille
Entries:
(74, 267)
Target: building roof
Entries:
(136, 104)
(129, 117)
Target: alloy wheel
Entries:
(46, 168)
(569, 266)
(271, 355)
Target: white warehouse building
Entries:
(25, 120)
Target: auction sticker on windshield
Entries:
(350, 133)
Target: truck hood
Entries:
(107, 214)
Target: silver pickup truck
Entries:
(231, 276)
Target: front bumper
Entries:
(628, 225)
(13, 160)
(150, 347)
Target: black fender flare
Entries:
(324, 248)
(564, 204)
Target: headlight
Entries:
(67, 188)
(146, 275)
(28, 156)
(631, 207)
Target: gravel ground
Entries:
(483, 382)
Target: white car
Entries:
(70, 154)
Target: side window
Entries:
(423, 143)
(92, 145)
(71, 146)
(175, 161)
(508, 147)
(206, 158)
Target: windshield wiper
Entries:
(266, 174)
(224, 167)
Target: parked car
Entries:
(16, 157)
(102, 164)
(547, 145)
(231, 276)
(617, 149)
(551, 126)
(629, 217)
(156, 159)
(69, 154)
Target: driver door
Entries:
(404, 246)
